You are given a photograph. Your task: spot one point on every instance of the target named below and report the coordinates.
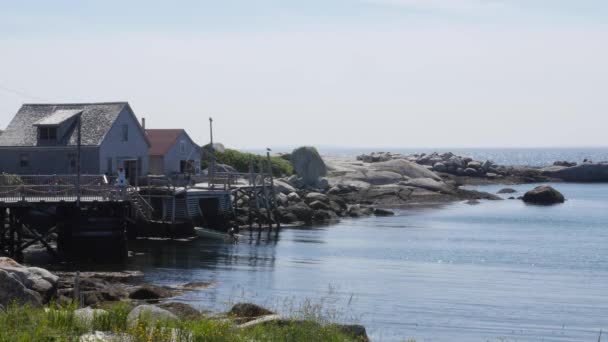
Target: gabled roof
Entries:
(97, 119)
(161, 140)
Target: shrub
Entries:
(241, 160)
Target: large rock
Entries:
(301, 211)
(406, 169)
(316, 196)
(150, 313)
(283, 187)
(246, 312)
(182, 310)
(581, 173)
(377, 177)
(13, 290)
(33, 278)
(150, 292)
(430, 184)
(308, 164)
(543, 194)
(87, 315)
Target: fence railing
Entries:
(229, 180)
(51, 188)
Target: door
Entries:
(131, 171)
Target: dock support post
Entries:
(273, 198)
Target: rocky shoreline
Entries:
(94, 292)
(326, 189)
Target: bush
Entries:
(241, 160)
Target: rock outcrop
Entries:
(544, 195)
(587, 172)
(308, 164)
(151, 312)
(33, 279)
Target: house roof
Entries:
(161, 140)
(97, 119)
(58, 117)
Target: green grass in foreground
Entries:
(23, 323)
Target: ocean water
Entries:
(497, 271)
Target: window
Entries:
(109, 165)
(125, 132)
(48, 133)
(182, 147)
(24, 160)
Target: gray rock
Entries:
(383, 212)
(323, 184)
(301, 211)
(506, 191)
(581, 173)
(248, 311)
(293, 197)
(406, 168)
(430, 184)
(474, 165)
(11, 289)
(296, 181)
(377, 177)
(282, 199)
(318, 205)
(150, 292)
(440, 167)
(33, 278)
(469, 171)
(181, 310)
(151, 313)
(86, 315)
(316, 196)
(308, 164)
(543, 194)
(323, 216)
(283, 187)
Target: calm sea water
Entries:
(500, 270)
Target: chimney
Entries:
(143, 123)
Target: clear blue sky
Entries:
(401, 73)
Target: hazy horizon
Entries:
(348, 73)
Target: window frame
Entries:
(124, 135)
(44, 133)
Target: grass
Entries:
(24, 323)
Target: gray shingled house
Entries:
(42, 138)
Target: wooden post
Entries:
(265, 193)
(272, 193)
(78, 148)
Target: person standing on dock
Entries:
(121, 181)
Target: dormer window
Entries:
(48, 133)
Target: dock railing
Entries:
(55, 188)
(230, 180)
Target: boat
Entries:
(214, 234)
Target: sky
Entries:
(350, 73)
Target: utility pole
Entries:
(78, 148)
(211, 156)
